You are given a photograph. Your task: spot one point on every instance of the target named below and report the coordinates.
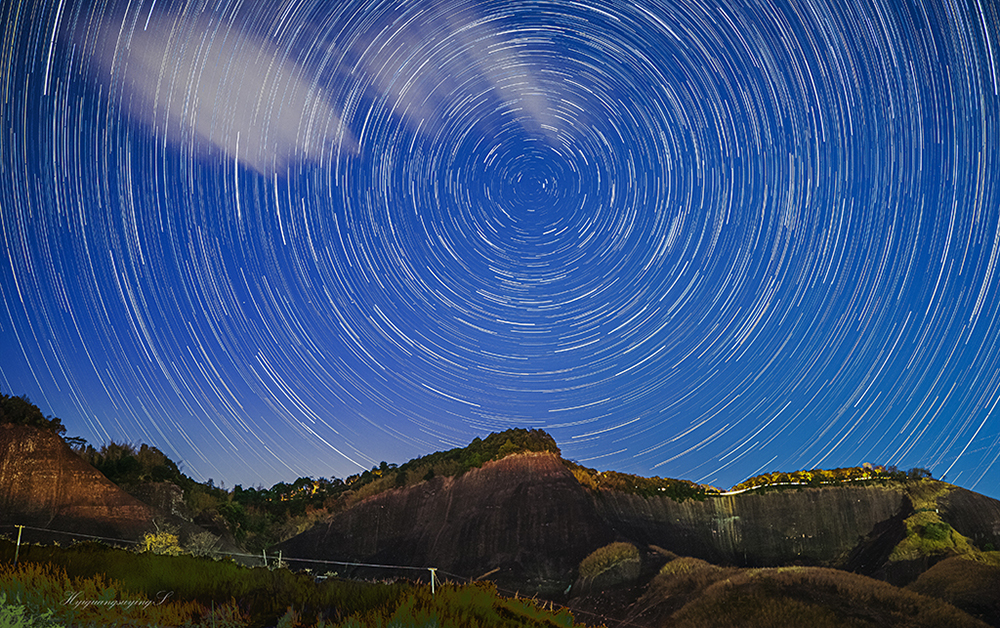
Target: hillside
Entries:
(509, 509)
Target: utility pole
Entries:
(17, 551)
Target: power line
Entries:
(514, 594)
(88, 536)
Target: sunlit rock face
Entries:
(811, 526)
(525, 516)
(44, 484)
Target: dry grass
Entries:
(971, 583)
(691, 593)
(608, 557)
(817, 598)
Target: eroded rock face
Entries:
(44, 484)
(811, 525)
(973, 515)
(165, 496)
(525, 516)
(528, 517)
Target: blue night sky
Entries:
(693, 240)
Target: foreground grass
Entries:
(89, 584)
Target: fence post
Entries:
(17, 551)
(432, 570)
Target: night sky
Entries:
(693, 240)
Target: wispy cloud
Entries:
(206, 81)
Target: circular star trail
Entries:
(688, 240)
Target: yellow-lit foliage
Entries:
(160, 542)
(814, 477)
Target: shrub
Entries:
(202, 544)
(608, 557)
(160, 542)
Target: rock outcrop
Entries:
(817, 526)
(164, 496)
(973, 515)
(44, 484)
(58, 496)
(525, 518)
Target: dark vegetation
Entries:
(677, 490)
(20, 411)
(204, 592)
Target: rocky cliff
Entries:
(44, 484)
(974, 515)
(810, 526)
(525, 516)
(528, 518)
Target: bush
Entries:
(161, 542)
(608, 557)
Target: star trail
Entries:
(702, 241)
